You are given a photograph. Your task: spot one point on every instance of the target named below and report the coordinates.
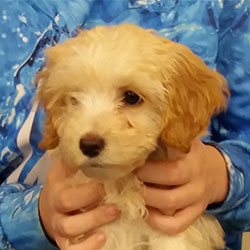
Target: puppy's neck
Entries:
(125, 192)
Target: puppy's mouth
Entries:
(103, 172)
(95, 166)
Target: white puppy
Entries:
(115, 96)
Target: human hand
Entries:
(178, 191)
(68, 212)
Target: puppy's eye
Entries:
(131, 98)
(74, 101)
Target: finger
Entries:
(73, 226)
(75, 198)
(169, 200)
(172, 225)
(164, 173)
(94, 242)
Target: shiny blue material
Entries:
(218, 31)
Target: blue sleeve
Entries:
(234, 212)
(20, 226)
(231, 130)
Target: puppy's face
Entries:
(112, 92)
(110, 124)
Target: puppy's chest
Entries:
(126, 193)
(128, 232)
(131, 232)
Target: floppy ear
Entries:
(50, 138)
(194, 93)
(49, 98)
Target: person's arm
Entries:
(184, 187)
(200, 176)
(231, 130)
(42, 217)
(20, 226)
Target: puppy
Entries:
(116, 96)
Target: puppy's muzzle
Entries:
(91, 145)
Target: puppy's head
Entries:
(112, 92)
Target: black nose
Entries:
(91, 145)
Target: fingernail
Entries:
(111, 210)
(100, 238)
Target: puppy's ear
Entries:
(194, 93)
(48, 98)
(50, 138)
